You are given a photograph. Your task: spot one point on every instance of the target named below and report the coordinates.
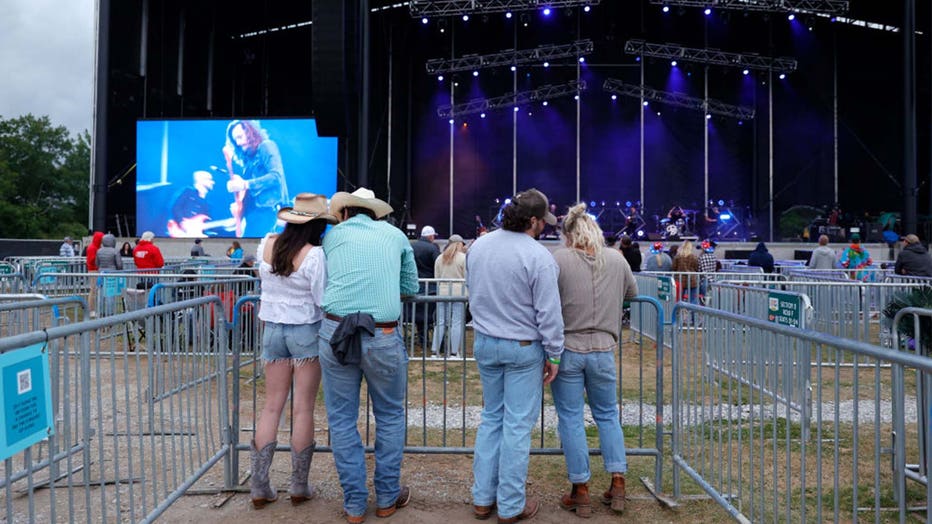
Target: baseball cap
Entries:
(427, 231)
(536, 204)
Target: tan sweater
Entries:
(455, 269)
(592, 298)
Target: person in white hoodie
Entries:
(823, 257)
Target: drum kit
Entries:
(673, 228)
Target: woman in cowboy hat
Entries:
(293, 273)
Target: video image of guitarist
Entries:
(257, 178)
(190, 211)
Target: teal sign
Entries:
(664, 288)
(26, 417)
(7, 269)
(785, 309)
(46, 269)
(208, 269)
(114, 286)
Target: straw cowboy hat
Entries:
(362, 197)
(307, 207)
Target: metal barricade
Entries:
(24, 313)
(133, 430)
(740, 436)
(782, 307)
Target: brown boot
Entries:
(578, 500)
(615, 495)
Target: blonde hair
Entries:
(686, 249)
(449, 252)
(582, 232)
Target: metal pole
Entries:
(770, 152)
(97, 210)
(210, 63)
(705, 134)
(452, 121)
(578, 111)
(179, 81)
(362, 151)
(643, 111)
(835, 106)
(909, 116)
(514, 126)
(388, 160)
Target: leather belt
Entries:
(391, 324)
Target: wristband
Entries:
(554, 361)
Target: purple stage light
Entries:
(530, 113)
(482, 115)
(708, 11)
(708, 117)
(646, 103)
(545, 103)
(582, 60)
(673, 63)
(658, 113)
(791, 17)
(740, 122)
(834, 19)
(614, 97)
(451, 121)
(637, 59)
(440, 78)
(547, 11)
(424, 20)
(475, 73)
(516, 109)
(745, 72)
(666, 9)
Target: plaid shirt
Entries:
(707, 263)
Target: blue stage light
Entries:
(545, 103)
(465, 18)
(746, 72)
(440, 78)
(614, 97)
(646, 103)
(627, 203)
(546, 64)
(740, 122)
(582, 60)
(507, 201)
(673, 63)
(516, 109)
(708, 11)
(424, 20)
(513, 68)
(666, 9)
(708, 117)
(791, 17)
(721, 202)
(508, 15)
(782, 76)
(451, 121)
(637, 59)
(482, 115)
(576, 97)
(724, 216)
(587, 8)
(592, 204)
(475, 73)
(640, 233)
(547, 11)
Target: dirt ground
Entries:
(439, 493)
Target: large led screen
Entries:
(227, 178)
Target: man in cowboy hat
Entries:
(518, 322)
(370, 265)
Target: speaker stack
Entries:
(335, 60)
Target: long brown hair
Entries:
(291, 242)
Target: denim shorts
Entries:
(290, 341)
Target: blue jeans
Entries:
(595, 373)
(512, 383)
(452, 314)
(385, 367)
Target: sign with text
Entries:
(664, 288)
(26, 414)
(785, 309)
(114, 286)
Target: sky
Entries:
(47, 53)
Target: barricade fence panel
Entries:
(137, 422)
(768, 423)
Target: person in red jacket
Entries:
(146, 254)
(91, 262)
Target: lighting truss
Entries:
(777, 6)
(710, 106)
(479, 105)
(510, 57)
(458, 7)
(710, 56)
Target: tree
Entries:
(44, 175)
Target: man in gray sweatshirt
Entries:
(823, 257)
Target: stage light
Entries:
(475, 73)
(666, 9)
(658, 113)
(746, 72)
(513, 69)
(507, 201)
(617, 203)
(587, 9)
(640, 233)
(740, 122)
(834, 19)
(424, 20)
(721, 202)
(724, 217)
(440, 78)
(708, 117)
(465, 18)
(646, 103)
(547, 11)
(465, 124)
(592, 204)
(508, 15)
(482, 115)
(791, 17)
(545, 103)
(582, 60)
(782, 76)
(614, 97)
(516, 109)
(530, 113)
(593, 217)
(627, 203)
(451, 121)
(708, 11)
(576, 97)
(637, 59)
(456, 84)
(546, 64)
(673, 63)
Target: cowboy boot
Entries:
(300, 466)
(578, 500)
(615, 495)
(259, 488)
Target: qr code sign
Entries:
(24, 381)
